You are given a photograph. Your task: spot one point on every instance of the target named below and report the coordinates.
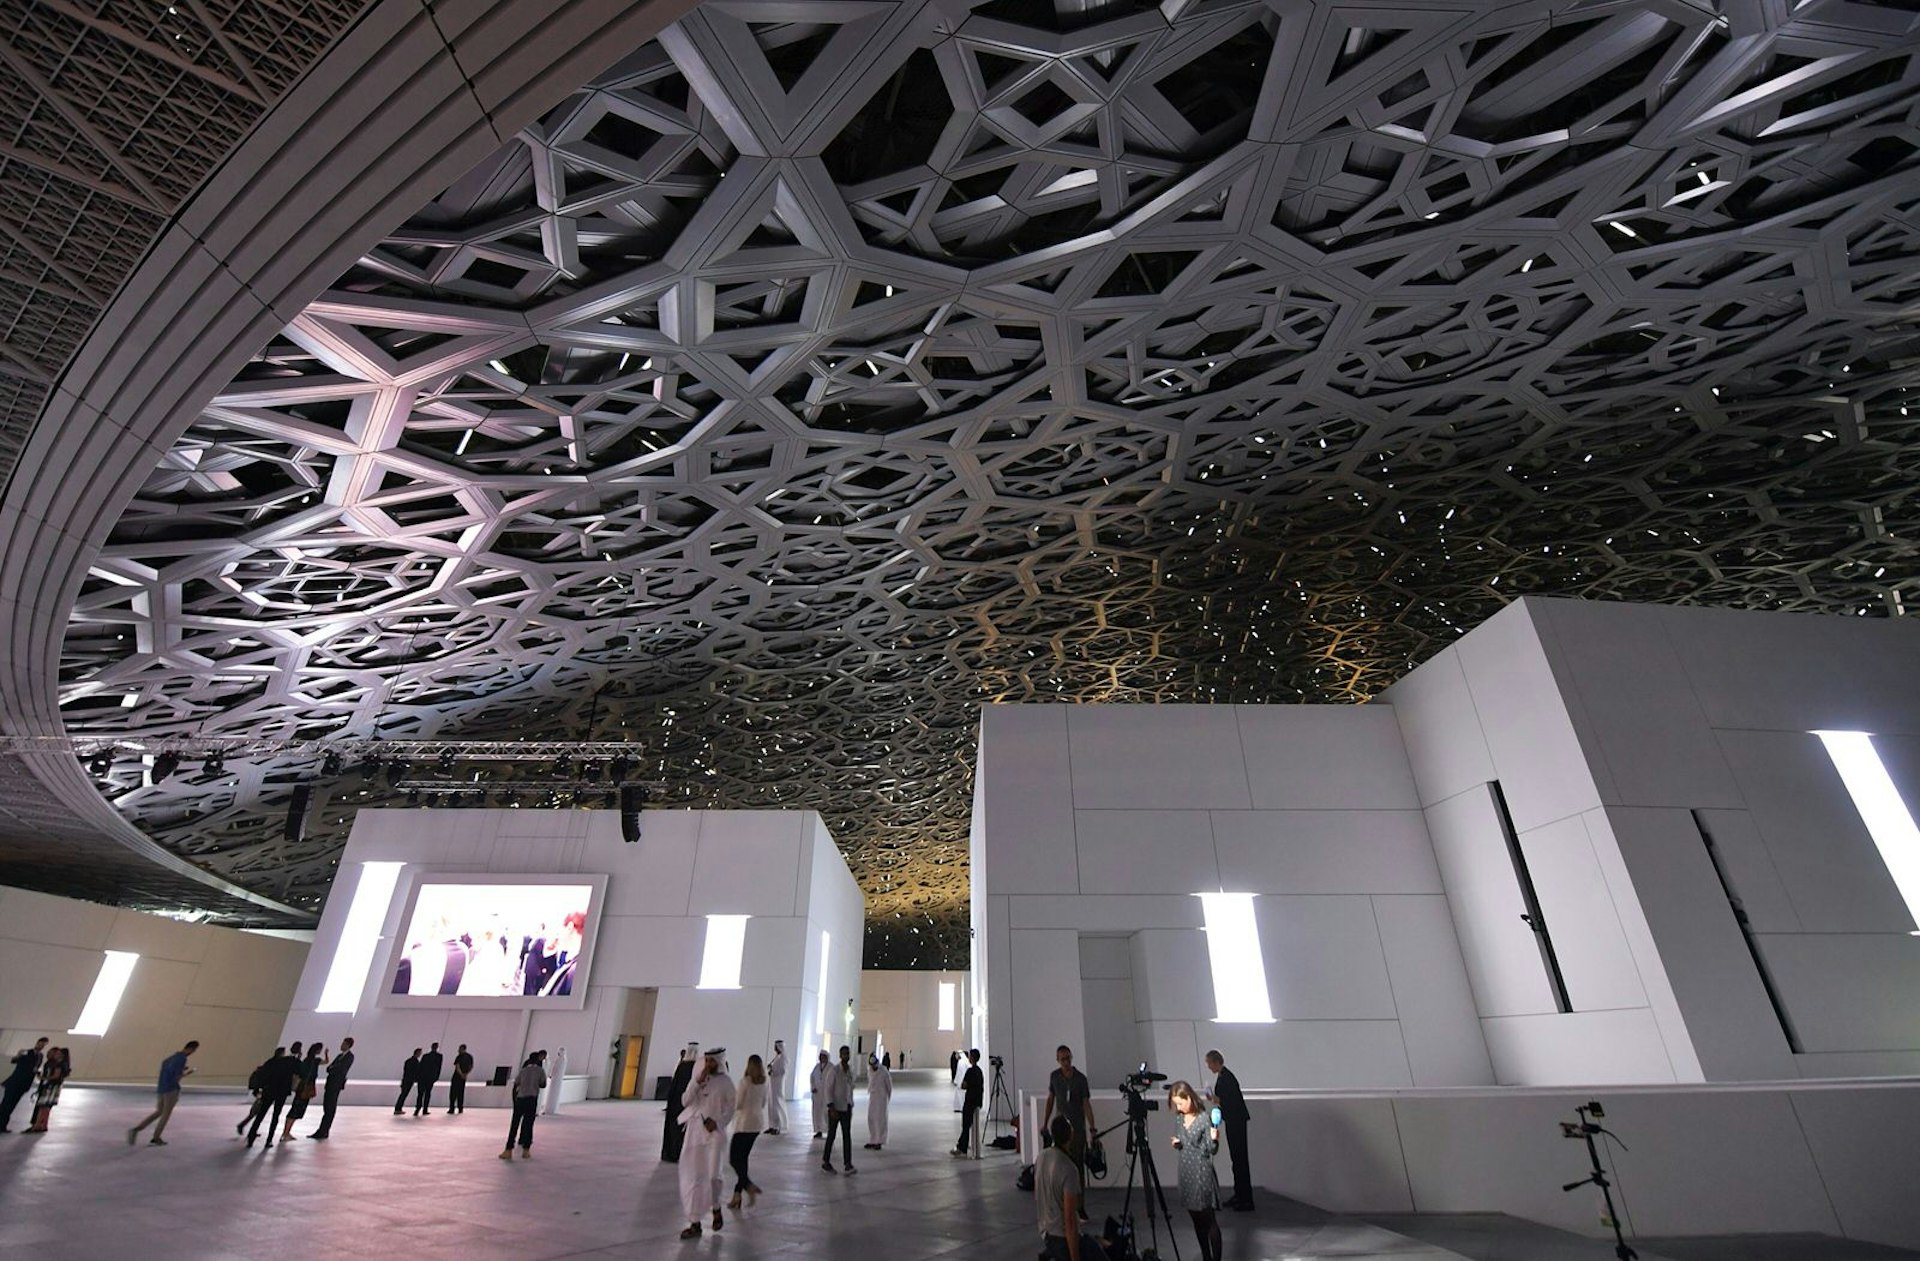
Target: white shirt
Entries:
(750, 1113)
(840, 1088)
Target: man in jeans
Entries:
(840, 1113)
(172, 1069)
(1056, 1192)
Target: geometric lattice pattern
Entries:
(823, 371)
(111, 113)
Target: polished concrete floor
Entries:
(429, 1188)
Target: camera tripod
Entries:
(1586, 1129)
(1152, 1192)
(999, 1104)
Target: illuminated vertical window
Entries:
(820, 993)
(1888, 820)
(949, 1006)
(1233, 948)
(726, 945)
(359, 937)
(115, 971)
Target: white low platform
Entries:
(1832, 1158)
(573, 1089)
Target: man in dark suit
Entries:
(277, 1077)
(429, 1074)
(974, 1088)
(409, 1074)
(26, 1066)
(337, 1070)
(1233, 1119)
(457, 1084)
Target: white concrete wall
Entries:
(780, 867)
(227, 989)
(904, 1007)
(1100, 821)
(1830, 1159)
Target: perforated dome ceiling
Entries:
(827, 369)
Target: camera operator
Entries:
(973, 1087)
(1070, 1095)
(1233, 1119)
(1057, 1184)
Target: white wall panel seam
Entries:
(1386, 965)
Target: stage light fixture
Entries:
(446, 759)
(100, 765)
(330, 764)
(397, 771)
(618, 768)
(215, 766)
(164, 765)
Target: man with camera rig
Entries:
(1057, 1189)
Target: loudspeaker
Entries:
(633, 799)
(297, 812)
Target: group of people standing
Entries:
(289, 1079)
(41, 1069)
(421, 1073)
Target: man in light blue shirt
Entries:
(172, 1069)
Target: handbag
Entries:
(305, 1090)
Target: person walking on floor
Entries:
(673, 1135)
(337, 1071)
(173, 1070)
(840, 1113)
(430, 1065)
(53, 1075)
(710, 1103)
(879, 1096)
(457, 1084)
(973, 1089)
(26, 1069)
(277, 1079)
(409, 1077)
(817, 1084)
(777, 1088)
(306, 1084)
(1196, 1139)
(1233, 1119)
(749, 1118)
(527, 1085)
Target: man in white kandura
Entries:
(777, 1088)
(818, 1083)
(879, 1093)
(707, 1113)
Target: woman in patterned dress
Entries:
(1196, 1138)
(57, 1068)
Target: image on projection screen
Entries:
(516, 941)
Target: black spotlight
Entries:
(164, 765)
(563, 766)
(446, 760)
(397, 770)
(215, 766)
(370, 766)
(413, 797)
(589, 771)
(100, 765)
(296, 829)
(330, 764)
(633, 799)
(618, 768)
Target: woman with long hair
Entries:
(1196, 1138)
(749, 1118)
(306, 1084)
(57, 1068)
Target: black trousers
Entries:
(737, 1153)
(260, 1114)
(1237, 1151)
(406, 1088)
(10, 1099)
(844, 1120)
(524, 1109)
(456, 1094)
(328, 1103)
(967, 1114)
(422, 1097)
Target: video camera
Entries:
(996, 1061)
(1135, 1084)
